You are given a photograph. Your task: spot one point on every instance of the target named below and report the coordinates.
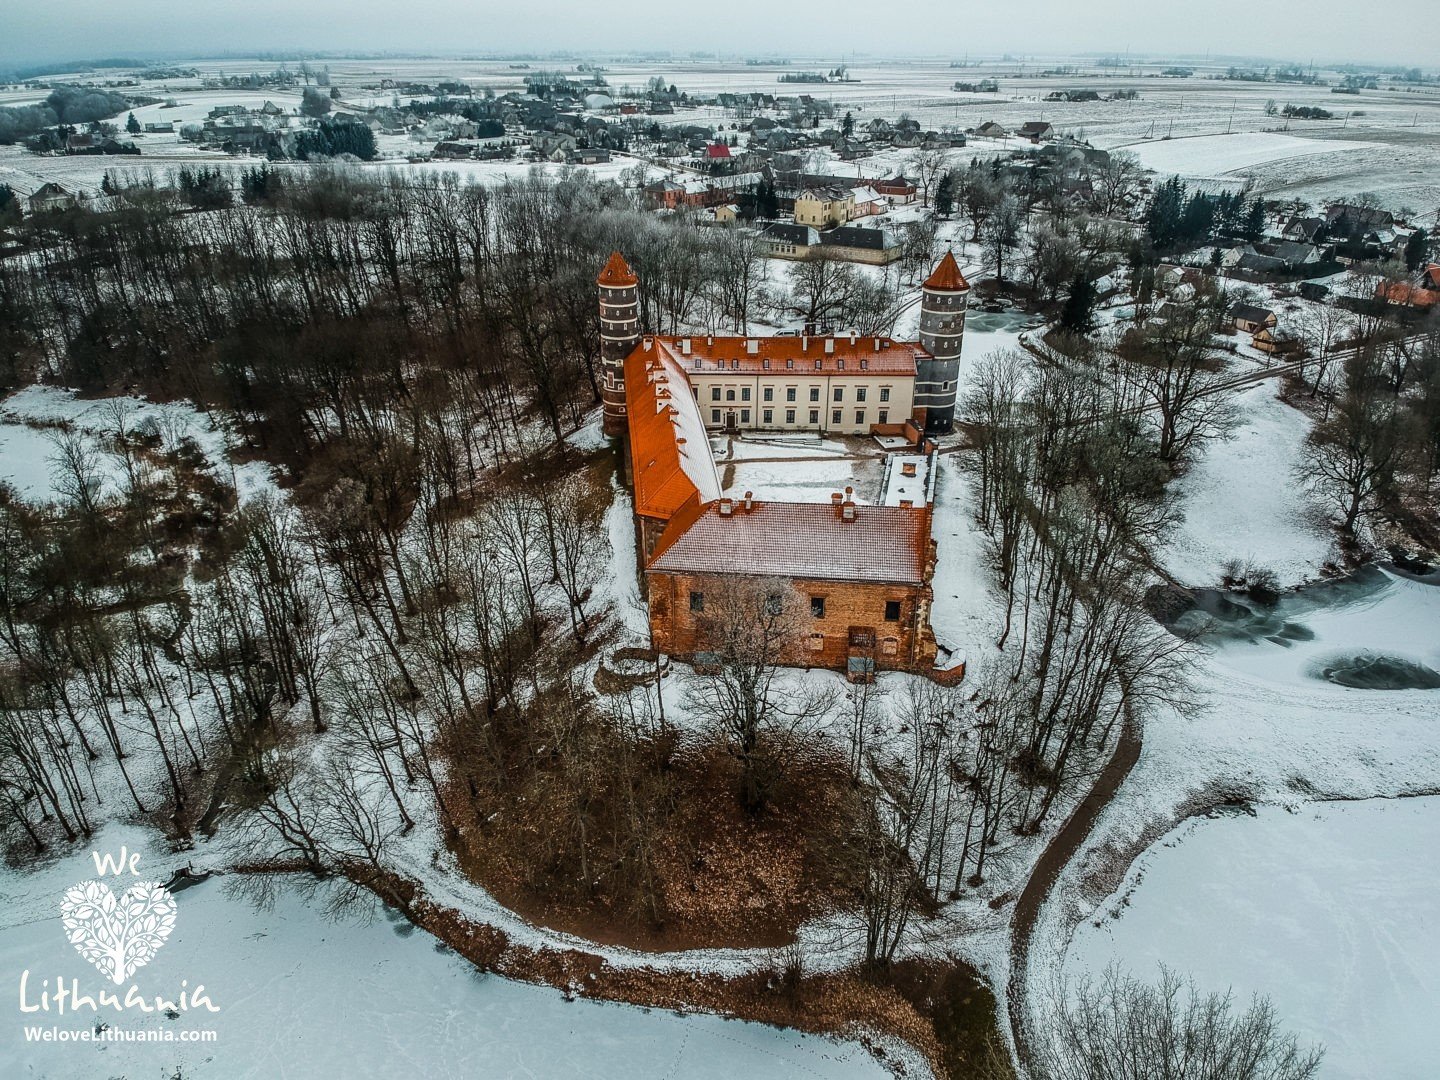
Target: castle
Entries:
(861, 572)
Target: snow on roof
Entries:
(829, 355)
(804, 540)
(669, 447)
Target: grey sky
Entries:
(1399, 31)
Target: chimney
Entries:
(906, 504)
(847, 510)
(907, 469)
(727, 507)
(749, 503)
(805, 343)
(836, 499)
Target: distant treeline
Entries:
(63, 105)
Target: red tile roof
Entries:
(800, 540)
(669, 447)
(865, 356)
(717, 151)
(617, 273)
(947, 276)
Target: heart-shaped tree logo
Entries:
(119, 935)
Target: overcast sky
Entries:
(1399, 31)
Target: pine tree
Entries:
(1077, 316)
(945, 194)
(1415, 249)
(847, 126)
(132, 125)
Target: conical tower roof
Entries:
(947, 276)
(617, 273)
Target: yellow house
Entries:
(824, 207)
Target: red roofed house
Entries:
(1423, 292)
(859, 575)
(717, 152)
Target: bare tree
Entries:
(1125, 1029)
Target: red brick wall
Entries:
(675, 629)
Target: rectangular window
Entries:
(815, 416)
(892, 610)
(864, 365)
(835, 418)
(769, 393)
(714, 416)
(769, 417)
(744, 393)
(839, 365)
(744, 416)
(817, 606)
(729, 395)
(817, 365)
(790, 393)
(789, 365)
(714, 393)
(765, 363)
(789, 416)
(859, 393)
(839, 393)
(814, 393)
(884, 416)
(734, 365)
(774, 603)
(859, 417)
(884, 393)
(697, 601)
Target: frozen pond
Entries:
(1331, 911)
(1373, 630)
(302, 997)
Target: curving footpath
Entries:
(1052, 861)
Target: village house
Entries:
(1252, 319)
(857, 576)
(49, 197)
(991, 130)
(1422, 292)
(1036, 130)
(898, 189)
(858, 243)
(785, 240)
(824, 207)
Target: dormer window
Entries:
(839, 365)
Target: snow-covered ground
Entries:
(1330, 910)
(1204, 156)
(1269, 728)
(32, 418)
(1240, 500)
(302, 997)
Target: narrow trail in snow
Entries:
(1052, 861)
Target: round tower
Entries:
(619, 334)
(942, 332)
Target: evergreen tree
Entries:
(945, 194)
(1162, 218)
(1078, 314)
(132, 125)
(1198, 219)
(1255, 220)
(1415, 249)
(847, 126)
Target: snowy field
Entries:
(1329, 909)
(1390, 138)
(1215, 155)
(302, 997)
(1324, 894)
(1240, 501)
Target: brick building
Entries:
(858, 576)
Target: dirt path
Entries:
(1052, 861)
